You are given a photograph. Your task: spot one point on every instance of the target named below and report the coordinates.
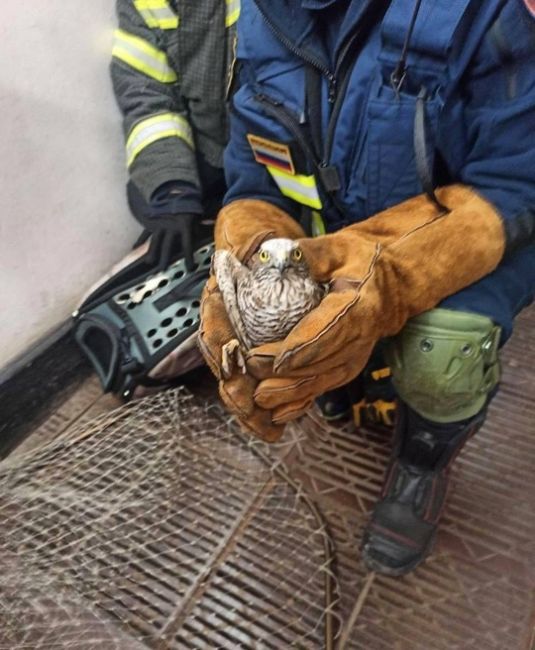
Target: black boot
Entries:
(335, 405)
(369, 398)
(402, 528)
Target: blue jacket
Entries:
(320, 121)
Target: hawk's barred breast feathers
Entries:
(267, 298)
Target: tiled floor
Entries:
(477, 590)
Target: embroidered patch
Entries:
(274, 154)
(530, 4)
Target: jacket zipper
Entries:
(277, 110)
(343, 70)
(335, 98)
(305, 55)
(337, 87)
(338, 98)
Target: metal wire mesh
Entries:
(192, 538)
(158, 525)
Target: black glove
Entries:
(172, 213)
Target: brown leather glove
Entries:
(240, 227)
(382, 272)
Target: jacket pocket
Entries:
(391, 174)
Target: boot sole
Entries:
(374, 565)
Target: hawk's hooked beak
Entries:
(281, 261)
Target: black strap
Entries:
(423, 165)
(313, 108)
(400, 71)
(327, 175)
(397, 79)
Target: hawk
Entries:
(266, 298)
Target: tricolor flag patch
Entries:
(530, 4)
(269, 152)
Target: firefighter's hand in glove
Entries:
(174, 209)
(382, 272)
(181, 225)
(240, 228)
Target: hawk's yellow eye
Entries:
(264, 256)
(297, 254)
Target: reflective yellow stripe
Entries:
(298, 187)
(232, 71)
(157, 13)
(358, 410)
(142, 56)
(165, 125)
(377, 412)
(318, 227)
(233, 12)
(381, 374)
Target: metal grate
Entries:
(477, 590)
(157, 525)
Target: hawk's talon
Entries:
(232, 357)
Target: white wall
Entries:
(63, 215)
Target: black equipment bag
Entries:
(138, 328)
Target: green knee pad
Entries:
(445, 363)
